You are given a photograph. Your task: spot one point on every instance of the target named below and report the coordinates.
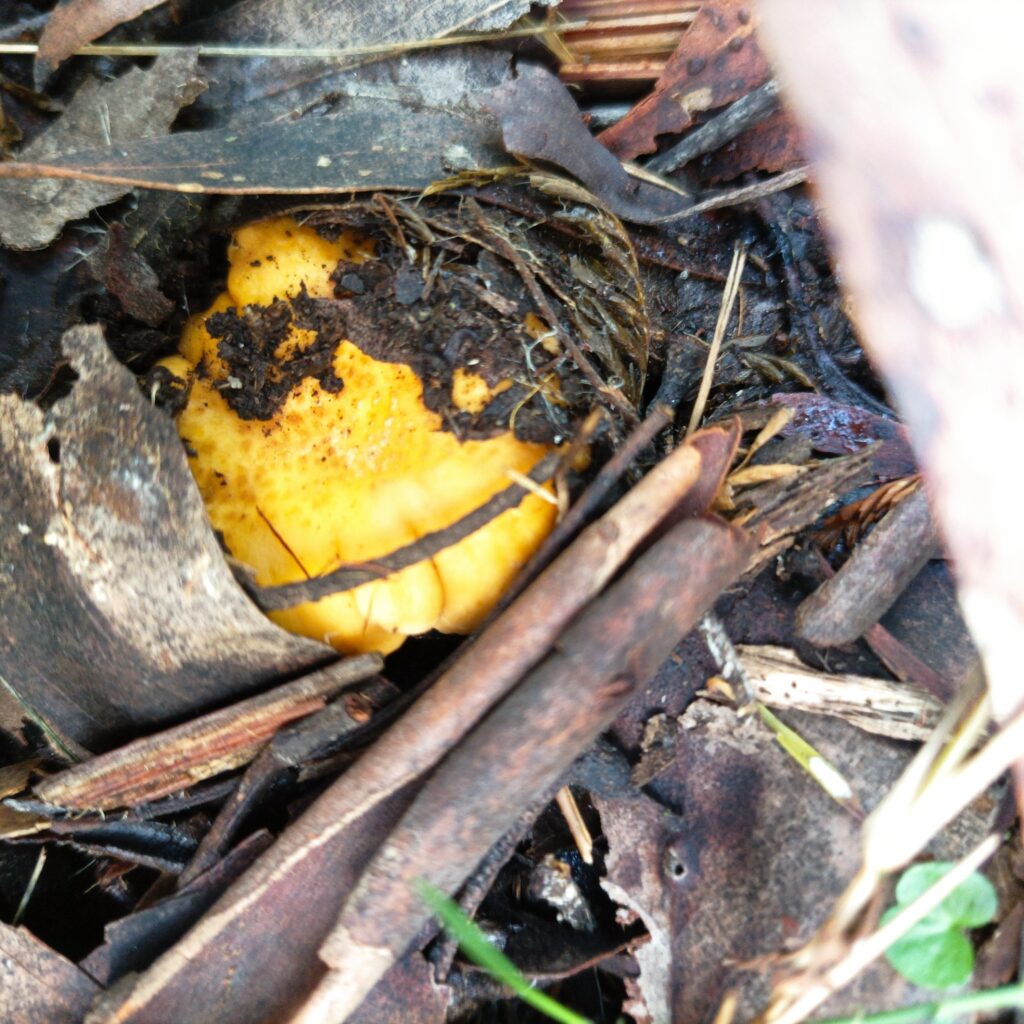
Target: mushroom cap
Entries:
(346, 474)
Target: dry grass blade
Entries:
(732, 288)
(577, 826)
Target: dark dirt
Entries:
(438, 325)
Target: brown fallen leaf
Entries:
(752, 866)
(718, 60)
(372, 144)
(774, 145)
(76, 22)
(539, 120)
(838, 429)
(138, 105)
(132, 281)
(118, 609)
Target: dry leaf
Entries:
(76, 22)
(718, 61)
(39, 986)
(372, 144)
(138, 105)
(539, 120)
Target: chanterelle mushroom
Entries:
(346, 463)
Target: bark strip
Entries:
(177, 758)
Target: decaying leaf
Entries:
(138, 105)
(774, 145)
(539, 120)
(752, 866)
(372, 144)
(838, 429)
(118, 609)
(718, 60)
(354, 23)
(76, 22)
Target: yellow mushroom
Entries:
(347, 470)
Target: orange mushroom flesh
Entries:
(351, 470)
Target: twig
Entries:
(781, 680)
(746, 194)
(311, 737)
(880, 569)
(589, 502)
(732, 287)
(337, 53)
(614, 646)
(181, 756)
(340, 828)
(752, 109)
(480, 883)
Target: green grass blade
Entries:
(482, 952)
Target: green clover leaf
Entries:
(936, 952)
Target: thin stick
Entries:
(589, 502)
(348, 577)
(743, 114)
(732, 287)
(745, 194)
(577, 826)
(367, 50)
